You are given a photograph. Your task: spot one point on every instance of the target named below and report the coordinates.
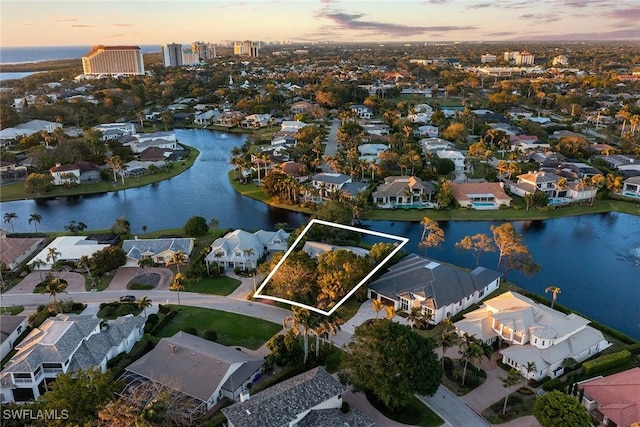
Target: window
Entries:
(404, 304)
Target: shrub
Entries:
(634, 348)
(164, 309)
(525, 391)
(605, 362)
(554, 384)
(448, 364)
(345, 407)
(153, 319)
(190, 330)
(210, 335)
(196, 226)
(472, 379)
(108, 311)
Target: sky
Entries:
(140, 22)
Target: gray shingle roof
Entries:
(282, 403)
(427, 278)
(135, 248)
(335, 417)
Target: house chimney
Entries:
(173, 348)
(244, 394)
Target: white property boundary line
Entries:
(403, 241)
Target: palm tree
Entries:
(52, 255)
(54, 286)
(512, 378)
(35, 218)
(390, 312)
(143, 303)
(249, 252)
(213, 224)
(85, 262)
(37, 263)
(530, 369)
(177, 284)
(145, 262)
(471, 351)
(8, 219)
(115, 164)
(298, 323)
(217, 255)
(561, 185)
(447, 340)
(555, 291)
(415, 315)
(178, 259)
(377, 306)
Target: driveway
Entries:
(75, 282)
(125, 274)
(452, 409)
(332, 144)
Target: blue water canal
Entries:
(595, 259)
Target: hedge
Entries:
(554, 384)
(605, 362)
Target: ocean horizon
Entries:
(30, 54)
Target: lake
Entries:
(595, 259)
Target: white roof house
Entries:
(70, 248)
(243, 249)
(536, 333)
(161, 251)
(315, 249)
(455, 156)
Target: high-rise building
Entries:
(205, 51)
(525, 58)
(246, 48)
(175, 55)
(113, 60)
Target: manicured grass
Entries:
(232, 329)
(14, 309)
(115, 309)
(17, 190)
(333, 360)
(222, 285)
(415, 413)
(517, 406)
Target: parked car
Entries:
(127, 298)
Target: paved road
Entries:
(452, 410)
(332, 144)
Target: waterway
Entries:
(594, 259)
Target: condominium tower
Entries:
(246, 48)
(176, 55)
(113, 60)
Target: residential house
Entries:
(480, 195)
(115, 130)
(428, 131)
(242, 249)
(631, 187)
(435, 144)
(301, 107)
(313, 398)
(535, 333)
(614, 399)
(375, 129)
(163, 140)
(403, 191)
(39, 126)
(530, 182)
(616, 161)
(455, 156)
(11, 328)
(256, 121)
(437, 290)
(65, 344)
(202, 370)
(580, 170)
(68, 248)
(205, 118)
(80, 172)
(294, 170)
(161, 251)
(315, 249)
(15, 251)
(547, 159)
(526, 143)
(292, 126)
(362, 111)
(326, 184)
(371, 152)
(228, 119)
(11, 172)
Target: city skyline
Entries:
(116, 22)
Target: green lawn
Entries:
(517, 406)
(17, 190)
(415, 413)
(222, 285)
(14, 309)
(232, 329)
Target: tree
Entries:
(143, 303)
(391, 361)
(54, 286)
(52, 255)
(295, 279)
(116, 165)
(299, 324)
(377, 306)
(75, 227)
(530, 368)
(38, 183)
(177, 284)
(108, 259)
(213, 224)
(514, 254)
(81, 394)
(471, 350)
(554, 291)
(614, 184)
(444, 195)
(9, 217)
(432, 234)
(36, 219)
(477, 245)
(513, 377)
(121, 226)
(196, 226)
(85, 263)
(557, 409)
(145, 262)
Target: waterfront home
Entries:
(480, 195)
(14, 251)
(535, 333)
(529, 183)
(162, 140)
(206, 117)
(315, 249)
(256, 121)
(11, 328)
(294, 170)
(403, 191)
(161, 251)
(326, 184)
(631, 187)
(80, 172)
(437, 290)
(228, 119)
(65, 344)
(292, 126)
(614, 399)
(68, 248)
(242, 249)
(112, 131)
(203, 371)
(313, 398)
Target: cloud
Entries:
(541, 18)
(122, 25)
(437, 1)
(32, 24)
(353, 22)
(628, 14)
(632, 34)
(481, 5)
(118, 35)
(66, 20)
(500, 34)
(82, 26)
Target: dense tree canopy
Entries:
(556, 409)
(391, 361)
(196, 226)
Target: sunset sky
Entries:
(89, 22)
